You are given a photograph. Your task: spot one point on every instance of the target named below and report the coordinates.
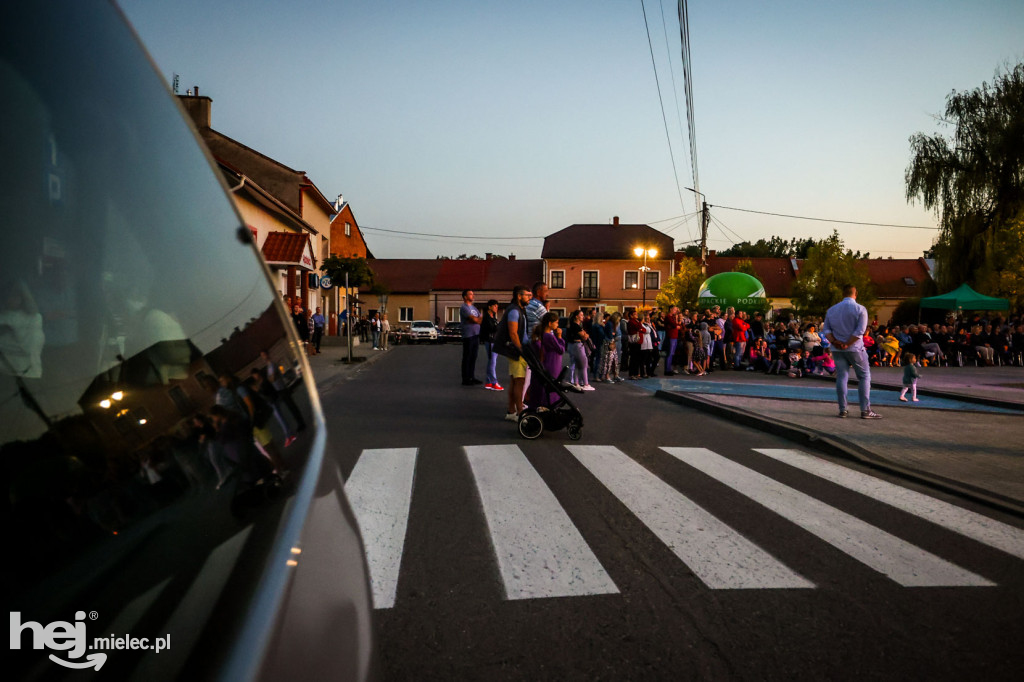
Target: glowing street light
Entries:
(645, 252)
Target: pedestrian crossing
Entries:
(539, 551)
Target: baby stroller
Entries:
(561, 414)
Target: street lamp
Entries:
(641, 251)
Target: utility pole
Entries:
(704, 217)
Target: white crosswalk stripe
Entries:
(540, 552)
(899, 560)
(380, 491)
(717, 554)
(957, 519)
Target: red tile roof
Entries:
(892, 277)
(284, 247)
(776, 274)
(604, 242)
(411, 275)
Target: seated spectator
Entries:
(890, 349)
(982, 341)
(797, 366)
(758, 356)
(827, 364)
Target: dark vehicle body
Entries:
(141, 499)
(452, 332)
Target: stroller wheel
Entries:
(530, 426)
(575, 431)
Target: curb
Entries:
(932, 393)
(838, 447)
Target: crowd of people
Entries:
(601, 347)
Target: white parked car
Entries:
(422, 330)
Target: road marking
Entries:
(380, 490)
(957, 519)
(717, 554)
(904, 563)
(540, 552)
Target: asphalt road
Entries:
(665, 544)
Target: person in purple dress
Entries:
(548, 344)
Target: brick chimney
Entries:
(615, 220)
(512, 256)
(198, 108)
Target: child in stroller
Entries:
(550, 408)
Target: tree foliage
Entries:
(358, 269)
(681, 288)
(829, 266)
(974, 181)
(775, 247)
(746, 266)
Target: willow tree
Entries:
(974, 181)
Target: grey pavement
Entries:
(947, 439)
(331, 365)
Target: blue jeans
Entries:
(858, 359)
(578, 364)
(738, 347)
(492, 363)
(672, 344)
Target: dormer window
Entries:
(909, 281)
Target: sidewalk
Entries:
(964, 436)
(331, 365)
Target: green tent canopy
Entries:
(965, 298)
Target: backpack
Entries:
(502, 342)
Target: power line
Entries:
(828, 220)
(721, 224)
(445, 236)
(675, 89)
(664, 119)
(684, 40)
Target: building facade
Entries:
(597, 266)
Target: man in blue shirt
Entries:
(470, 317)
(515, 315)
(845, 325)
(318, 329)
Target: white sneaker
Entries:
(511, 417)
(588, 387)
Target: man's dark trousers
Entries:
(470, 348)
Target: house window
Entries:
(653, 279)
(909, 281)
(405, 314)
(590, 285)
(558, 311)
(181, 401)
(452, 314)
(632, 279)
(557, 278)
(348, 229)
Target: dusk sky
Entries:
(486, 119)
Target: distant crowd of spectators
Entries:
(700, 342)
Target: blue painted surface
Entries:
(807, 389)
